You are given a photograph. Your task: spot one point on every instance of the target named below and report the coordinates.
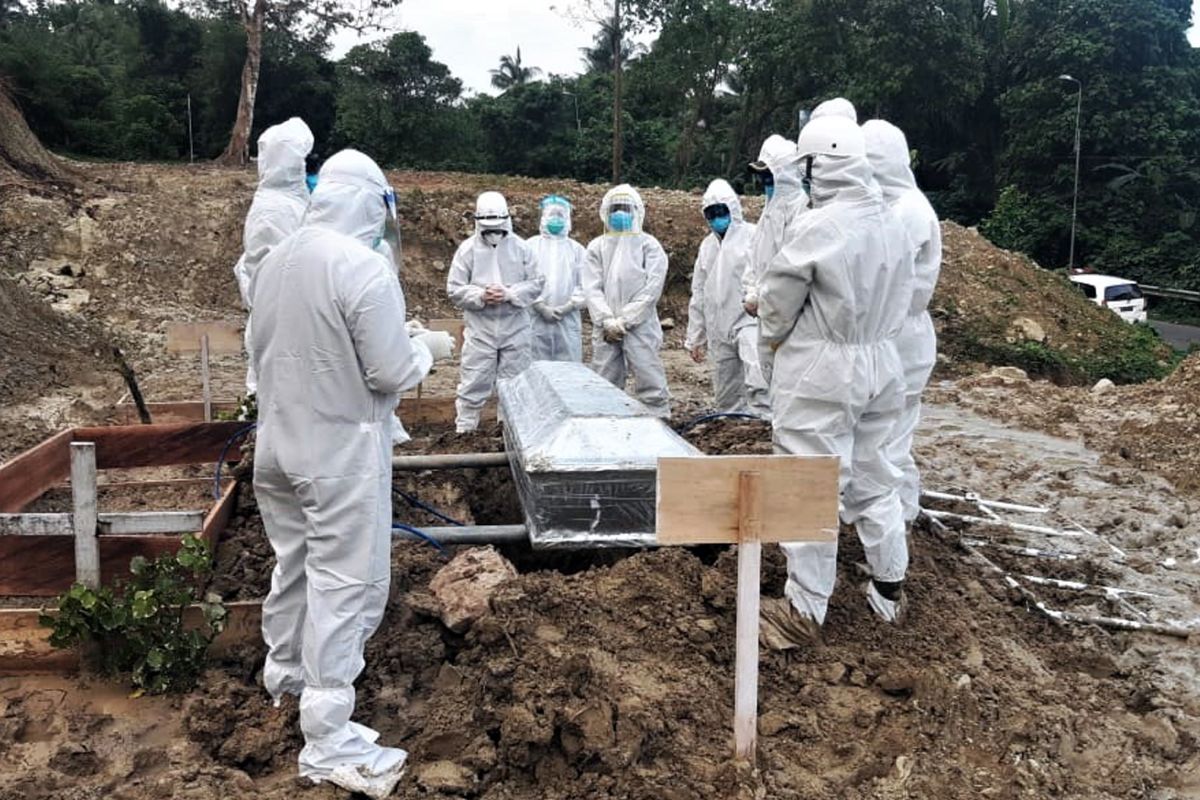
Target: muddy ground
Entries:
(611, 676)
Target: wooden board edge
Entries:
(34, 471)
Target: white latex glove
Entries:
(565, 308)
(750, 303)
(548, 313)
(614, 329)
(414, 327)
(440, 344)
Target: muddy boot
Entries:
(887, 600)
(782, 627)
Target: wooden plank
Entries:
(174, 412)
(44, 566)
(26, 477)
(36, 525)
(223, 337)
(205, 379)
(83, 513)
(121, 523)
(697, 498)
(745, 699)
(25, 645)
(455, 327)
(218, 516)
(160, 445)
(140, 522)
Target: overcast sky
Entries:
(469, 36)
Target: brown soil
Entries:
(112, 499)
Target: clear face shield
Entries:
(556, 215)
(621, 215)
(391, 227)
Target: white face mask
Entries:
(493, 238)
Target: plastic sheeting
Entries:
(584, 456)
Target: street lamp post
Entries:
(578, 125)
(1075, 198)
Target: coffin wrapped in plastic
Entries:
(584, 455)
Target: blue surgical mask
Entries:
(620, 221)
(555, 226)
(311, 182)
(769, 190)
(720, 224)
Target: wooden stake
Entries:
(83, 493)
(204, 378)
(745, 709)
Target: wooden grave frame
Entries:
(204, 338)
(747, 500)
(41, 555)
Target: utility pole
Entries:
(617, 36)
(1075, 198)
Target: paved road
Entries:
(1180, 336)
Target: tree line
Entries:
(978, 85)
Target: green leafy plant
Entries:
(137, 626)
(246, 411)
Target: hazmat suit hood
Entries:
(491, 213)
(553, 207)
(618, 194)
(778, 154)
(887, 150)
(834, 152)
(350, 197)
(719, 192)
(836, 107)
(282, 149)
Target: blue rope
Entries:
(225, 452)
(720, 415)
(428, 509)
(420, 534)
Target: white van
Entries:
(1119, 294)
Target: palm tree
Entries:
(599, 57)
(511, 72)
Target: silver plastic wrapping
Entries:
(584, 456)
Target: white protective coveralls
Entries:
(787, 203)
(716, 319)
(887, 150)
(623, 278)
(277, 209)
(833, 301)
(496, 341)
(333, 357)
(557, 320)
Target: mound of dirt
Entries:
(994, 306)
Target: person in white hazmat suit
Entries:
(719, 329)
(835, 107)
(277, 208)
(557, 321)
(887, 150)
(623, 278)
(833, 301)
(332, 356)
(778, 168)
(494, 278)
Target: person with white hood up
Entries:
(333, 357)
(277, 208)
(494, 278)
(557, 321)
(719, 329)
(887, 150)
(833, 301)
(835, 107)
(623, 278)
(778, 168)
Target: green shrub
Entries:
(136, 627)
